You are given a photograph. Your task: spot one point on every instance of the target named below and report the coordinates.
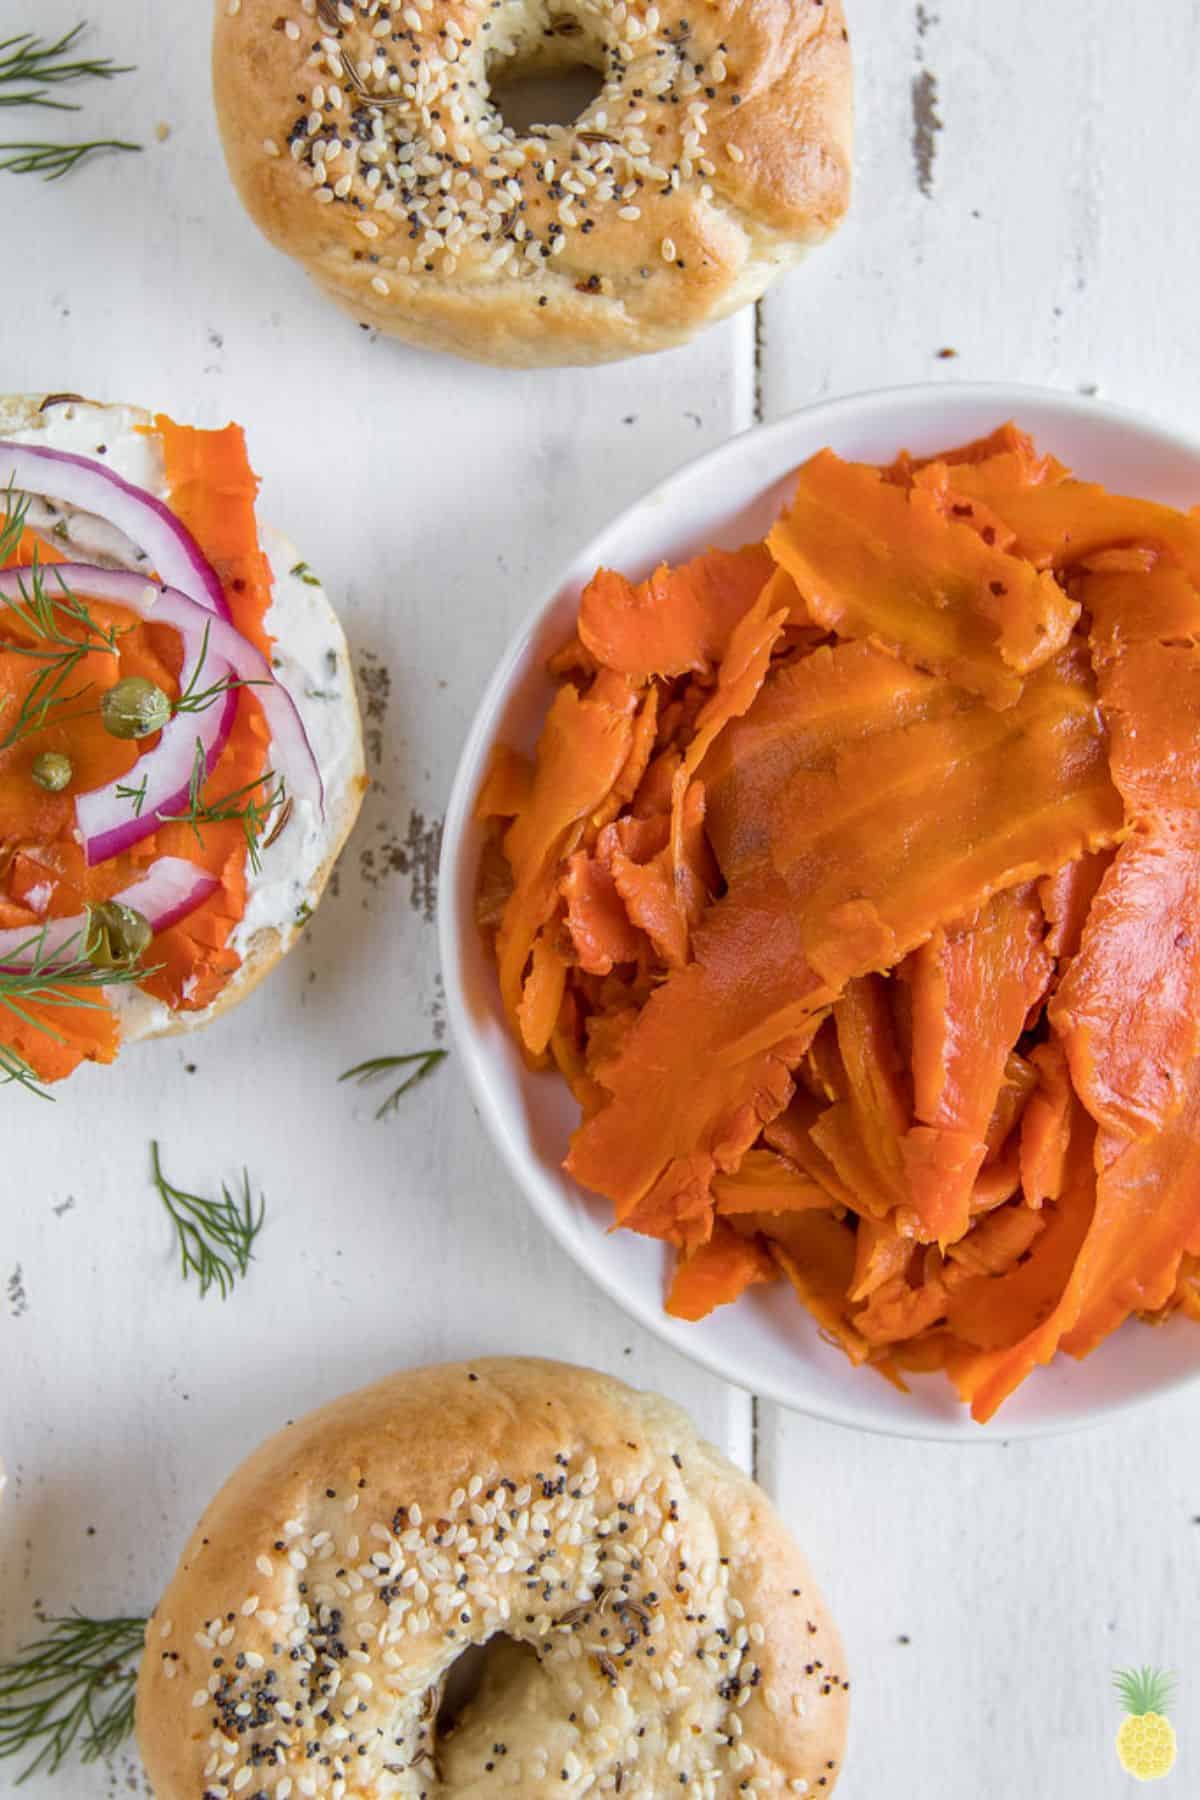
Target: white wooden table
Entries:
(1025, 200)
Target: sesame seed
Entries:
(735, 154)
(668, 249)
(387, 101)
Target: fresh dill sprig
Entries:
(137, 795)
(74, 1686)
(39, 612)
(53, 161)
(50, 643)
(426, 1062)
(16, 1068)
(194, 699)
(61, 978)
(27, 57)
(16, 511)
(29, 71)
(216, 1237)
(45, 617)
(239, 803)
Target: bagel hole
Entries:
(493, 1665)
(527, 96)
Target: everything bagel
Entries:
(652, 1627)
(364, 141)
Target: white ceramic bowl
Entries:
(766, 1342)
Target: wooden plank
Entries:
(986, 1595)
(438, 501)
(1017, 203)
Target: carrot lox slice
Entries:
(765, 1182)
(1128, 1007)
(816, 1253)
(1061, 523)
(1001, 1318)
(53, 1039)
(599, 926)
(972, 987)
(1125, 1012)
(862, 1135)
(1007, 449)
(874, 560)
(1046, 1126)
(718, 1273)
(854, 868)
(581, 752)
(507, 784)
(742, 673)
(677, 621)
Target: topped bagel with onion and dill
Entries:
(180, 746)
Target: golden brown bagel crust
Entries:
(676, 1627)
(717, 154)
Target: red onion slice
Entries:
(168, 892)
(106, 820)
(169, 547)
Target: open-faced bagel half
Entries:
(651, 1627)
(309, 658)
(365, 142)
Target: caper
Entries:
(134, 708)
(52, 771)
(117, 935)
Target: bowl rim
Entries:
(1007, 397)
